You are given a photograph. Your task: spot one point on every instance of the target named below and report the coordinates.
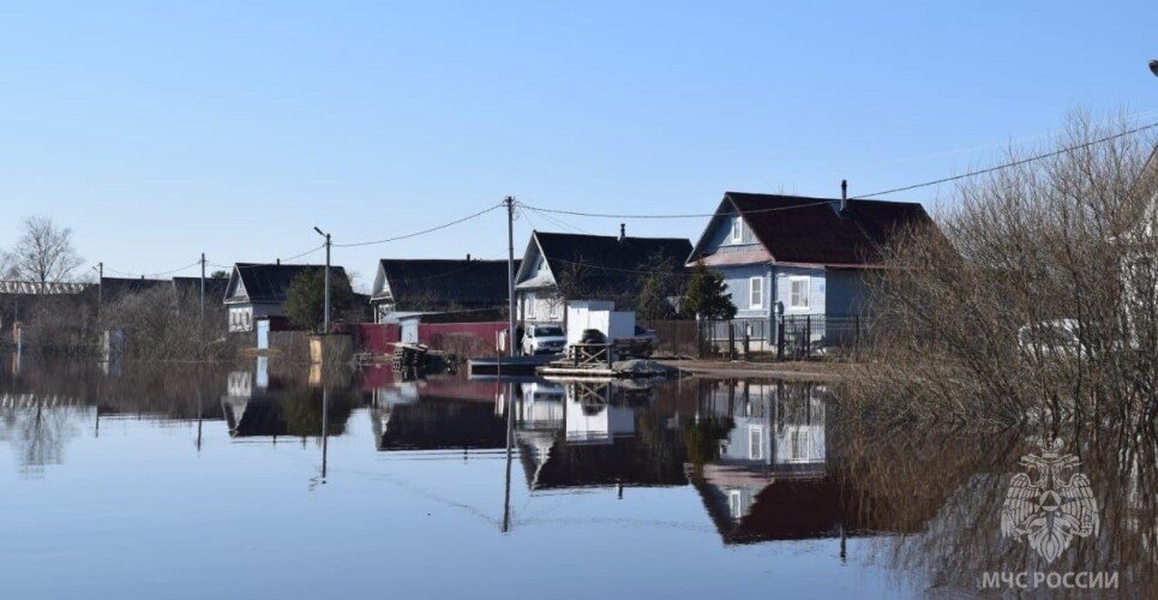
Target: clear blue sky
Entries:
(158, 130)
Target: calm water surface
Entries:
(194, 483)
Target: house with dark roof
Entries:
(584, 434)
(188, 289)
(796, 256)
(116, 288)
(258, 291)
(18, 298)
(405, 285)
(558, 265)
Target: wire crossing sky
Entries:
(158, 131)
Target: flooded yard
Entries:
(258, 481)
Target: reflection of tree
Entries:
(702, 438)
(303, 411)
(949, 485)
(38, 432)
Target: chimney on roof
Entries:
(468, 257)
(843, 195)
(279, 261)
(622, 231)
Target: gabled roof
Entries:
(190, 287)
(267, 284)
(438, 423)
(36, 288)
(610, 263)
(813, 231)
(627, 461)
(464, 283)
(784, 508)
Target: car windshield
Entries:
(544, 331)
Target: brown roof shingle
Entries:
(797, 229)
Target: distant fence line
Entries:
(796, 337)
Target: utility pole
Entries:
(326, 326)
(202, 290)
(511, 340)
(100, 290)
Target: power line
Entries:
(679, 216)
(462, 269)
(988, 146)
(307, 252)
(424, 231)
(905, 188)
(1011, 164)
(676, 269)
(150, 275)
(558, 222)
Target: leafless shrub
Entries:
(158, 327)
(973, 323)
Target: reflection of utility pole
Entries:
(97, 430)
(200, 398)
(510, 441)
(325, 426)
(843, 543)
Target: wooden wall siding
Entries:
(539, 306)
(846, 293)
(817, 288)
(738, 281)
(720, 238)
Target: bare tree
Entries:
(44, 253)
(1036, 298)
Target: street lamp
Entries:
(326, 327)
(1154, 67)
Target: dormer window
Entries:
(737, 230)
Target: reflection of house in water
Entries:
(251, 409)
(432, 414)
(769, 479)
(587, 434)
(257, 404)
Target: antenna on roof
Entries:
(622, 231)
(843, 195)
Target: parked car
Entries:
(544, 339)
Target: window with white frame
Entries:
(756, 443)
(798, 292)
(798, 446)
(756, 292)
(529, 302)
(737, 230)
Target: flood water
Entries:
(263, 481)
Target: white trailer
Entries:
(600, 315)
